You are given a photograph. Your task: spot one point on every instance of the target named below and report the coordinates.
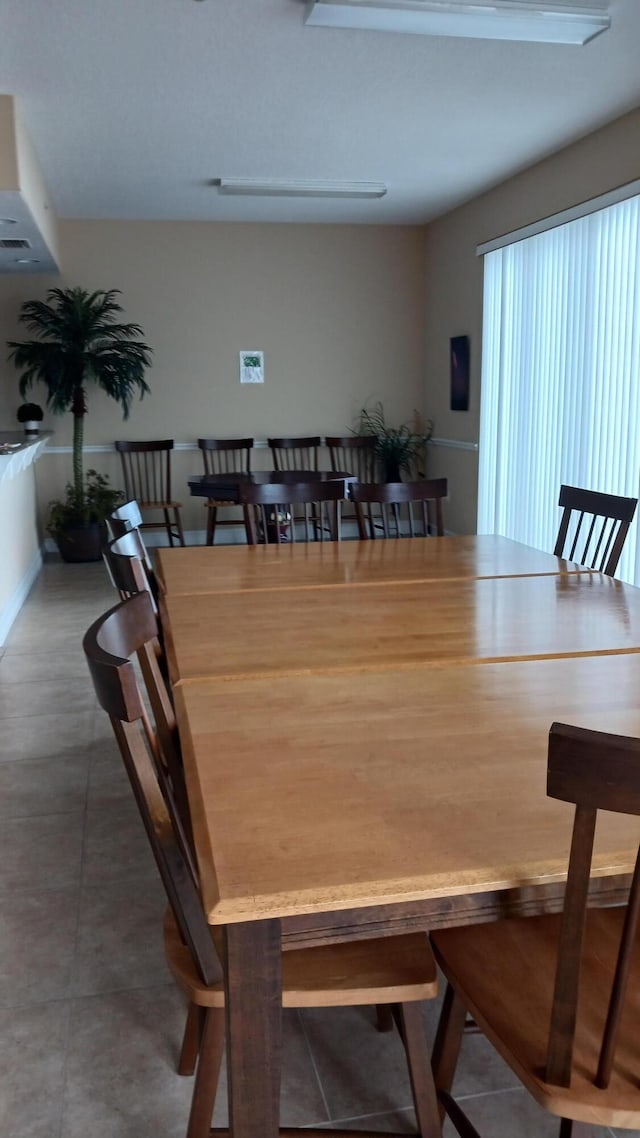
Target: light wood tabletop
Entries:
(333, 791)
(355, 626)
(221, 569)
(365, 744)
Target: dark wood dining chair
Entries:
(559, 996)
(127, 567)
(274, 511)
(131, 629)
(354, 454)
(388, 509)
(399, 970)
(125, 518)
(146, 467)
(295, 453)
(596, 542)
(223, 456)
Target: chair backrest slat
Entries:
(611, 516)
(295, 453)
(354, 454)
(388, 498)
(226, 456)
(274, 505)
(620, 981)
(592, 770)
(146, 468)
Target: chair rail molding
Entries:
(454, 444)
(259, 444)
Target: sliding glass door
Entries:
(561, 375)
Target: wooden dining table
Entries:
(365, 751)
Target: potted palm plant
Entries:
(80, 341)
(397, 448)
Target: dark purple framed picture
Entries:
(459, 373)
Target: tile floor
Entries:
(90, 1022)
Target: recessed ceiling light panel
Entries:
(538, 21)
(300, 188)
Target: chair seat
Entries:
(387, 970)
(505, 974)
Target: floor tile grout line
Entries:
(74, 955)
(63, 1084)
(75, 997)
(521, 1090)
(361, 1118)
(71, 996)
(314, 1065)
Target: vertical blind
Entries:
(561, 375)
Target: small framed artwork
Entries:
(251, 366)
(459, 373)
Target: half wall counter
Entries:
(20, 552)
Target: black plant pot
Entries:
(392, 471)
(82, 543)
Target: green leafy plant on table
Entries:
(79, 341)
(398, 449)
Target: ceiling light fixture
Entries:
(8, 221)
(27, 261)
(300, 188)
(537, 21)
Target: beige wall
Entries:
(337, 310)
(604, 160)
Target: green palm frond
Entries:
(79, 340)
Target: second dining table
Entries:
(368, 756)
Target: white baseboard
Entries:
(225, 535)
(19, 596)
(191, 537)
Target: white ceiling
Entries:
(135, 105)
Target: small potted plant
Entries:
(80, 535)
(398, 448)
(30, 415)
(79, 341)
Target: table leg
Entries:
(253, 986)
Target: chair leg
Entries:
(462, 1125)
(448, 1041)
(207, 1074)
(384, 1017)
(167, 524)
(176, 511)
(571, 1129)
(423, 1088)
(191, 1040)
(212, 516)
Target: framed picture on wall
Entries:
(459, 373)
